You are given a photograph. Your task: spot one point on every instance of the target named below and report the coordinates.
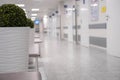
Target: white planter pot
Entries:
(14, 44)
(31, 40)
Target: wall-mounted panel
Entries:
(102, 42)
(65, 27)
(58, 34)
(57, 27)
(74, 38)
(65, 35)
(78, 27)
(79, 38)
(98, 26)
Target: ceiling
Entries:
(45, 6)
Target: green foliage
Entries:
(30, 23)
(12, 16)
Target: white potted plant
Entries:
(14, 39)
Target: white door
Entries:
(113, 27)
(70, 27)
(84, 29)
(73, 27)
(58, 25)
(84, 24)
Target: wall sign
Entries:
(94, 10)
(103, 9)
(37, 22)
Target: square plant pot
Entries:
(14, 49)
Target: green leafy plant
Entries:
(12, 16)
(30, 23)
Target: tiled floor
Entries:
(61, 60)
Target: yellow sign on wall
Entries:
(103, 9)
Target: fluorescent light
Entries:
(70, 9)
(94, 5)
(21, 5)
(83, 9)
(33, 14)
(35, 9)
(33, 17)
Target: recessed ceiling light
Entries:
(70, 9)
(94, 5)
(35, 9)
(33, 14)
(21, 5)
(33, 17)
(84, 9)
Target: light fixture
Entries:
(33, 14)
(21, 5)
(70, 9)
(84, 9)
(94, 5)
(36, 22)
(35, 9)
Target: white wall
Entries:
(113, 32)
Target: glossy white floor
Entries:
(61, 60)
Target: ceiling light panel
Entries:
(33, 14)
(21, 5)
(35, 9)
